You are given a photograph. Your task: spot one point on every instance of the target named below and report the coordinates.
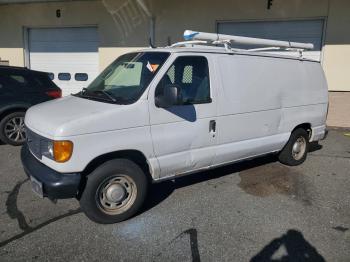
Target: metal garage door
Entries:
(70, 55)
(308, 31)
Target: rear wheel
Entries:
(295, 151)
(114, 191)
(12, 130)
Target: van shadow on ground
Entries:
(160, 191)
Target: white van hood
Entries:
(70, 116)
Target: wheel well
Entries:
(306, 127)
(132, 155)
(12, 110)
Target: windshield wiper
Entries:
(106, 94)
(85, 92)
(92, 97)
(88, 94)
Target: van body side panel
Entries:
(262, 99)
(307, 100)
(249, 109)
(251, 147)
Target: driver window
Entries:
(191, 75)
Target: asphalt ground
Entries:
(257, 210)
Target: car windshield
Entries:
(124, 81)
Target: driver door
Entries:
(184, 135)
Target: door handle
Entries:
(212, 126)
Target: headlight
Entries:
(50, 149)
(60, 151)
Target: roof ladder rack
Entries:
(212, 38)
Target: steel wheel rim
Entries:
(116, 194)
(299, 148)
(15, 130)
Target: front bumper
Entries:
(55, 185)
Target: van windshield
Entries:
(124, 81)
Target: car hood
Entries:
(71, 115)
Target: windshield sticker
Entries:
(152, 67)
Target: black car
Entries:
(21, 88)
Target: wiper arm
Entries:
(92, 97)
(106, 94)
(80, 92)
(89, 94)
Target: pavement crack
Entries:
(30, 230)
(12, 208)
(14, 213)
(192, 232)
(341, 228)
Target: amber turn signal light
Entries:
(62, 150)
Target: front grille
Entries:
(34, 142)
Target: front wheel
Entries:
(295, 151)
(114, 191)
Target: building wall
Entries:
(174, 16)
(339, 108)
(116, 36)
(123, 25)
(336, 61)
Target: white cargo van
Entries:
(163, 112)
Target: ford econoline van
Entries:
(160, 113)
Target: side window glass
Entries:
(191, 75)
(17, 81)
(171, 74)
(187, 74)
(3, 82)
(64, 76)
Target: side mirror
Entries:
(170, 97)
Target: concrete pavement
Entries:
(257, 210)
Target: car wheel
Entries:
(295, 151)
(12, 130)
(114, 191)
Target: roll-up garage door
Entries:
(69, 55)
(307, 31)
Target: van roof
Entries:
(222, 50)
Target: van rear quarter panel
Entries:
(262, 99)
(306, 101)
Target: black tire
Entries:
(99, 181)
(287, 155)
(4, 125)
